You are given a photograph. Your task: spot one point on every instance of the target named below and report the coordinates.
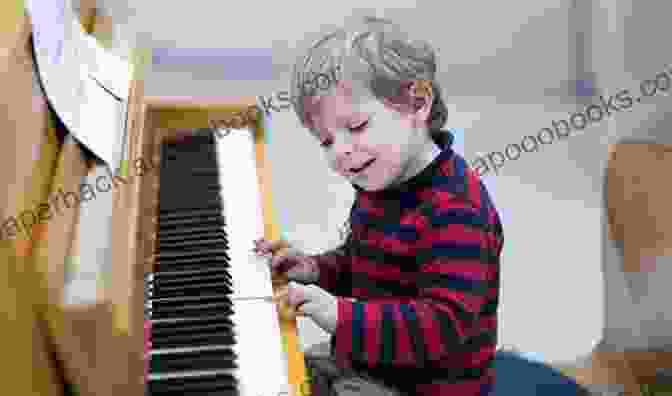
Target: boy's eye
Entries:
(360, 127)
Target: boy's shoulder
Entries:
(458, 187)
(455, 180)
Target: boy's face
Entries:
(373, 145)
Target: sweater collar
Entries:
(423, 179)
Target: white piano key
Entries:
(259, 349)
(243, 213)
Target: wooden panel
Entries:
(127, 291)
(166, 117)
(27, 156)
(639, 194)
(638, 198)
(605, 368)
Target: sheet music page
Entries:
(86, 86)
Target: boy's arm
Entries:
(332, 265)
(456, 279)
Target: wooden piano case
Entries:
(165, 119)
(51, 348)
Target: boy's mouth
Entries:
(364, 166)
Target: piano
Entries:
(214, 328)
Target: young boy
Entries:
(411, 297)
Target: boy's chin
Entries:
(370, 187)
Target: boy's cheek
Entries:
(335, 166)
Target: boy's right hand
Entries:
(287, 260)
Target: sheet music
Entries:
(86, 86)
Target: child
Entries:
(411, 296)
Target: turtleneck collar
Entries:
(444, 140)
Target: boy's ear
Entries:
(422, 98)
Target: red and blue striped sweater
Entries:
(422, 263)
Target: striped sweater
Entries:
(422, 263)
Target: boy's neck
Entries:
(426, 155)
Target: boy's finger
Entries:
(261, 245)
(296, 295)
(282, 263)
(266, 246)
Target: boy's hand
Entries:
(287, 260)
(314, 302)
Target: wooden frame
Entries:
(160, 118)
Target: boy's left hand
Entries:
(315, 302)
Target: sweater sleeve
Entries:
(333, 267)
(459, 258)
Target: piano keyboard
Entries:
(214, 329)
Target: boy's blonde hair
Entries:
(376, 53)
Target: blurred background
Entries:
(507, 69)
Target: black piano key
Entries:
(196, 339)
(179, 172)
(188, 230)
(176, 276)
(220, 385)
(201, 320)
(192, 244)
(217, 219)
(201, 150)
(183, 290)
(212, 269)
(191, 185)
(176, 281)
(196, 272)
(186, 191)
(174, 204)
(178, 302)
(190, 213)
(193, 153)
(219, 234)
(166, 310)
(197, 263)
(189, 209)
(221, 257)
(198, 360)
(188, 270)
(209, 251)
(175, 228)
(209, 327)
